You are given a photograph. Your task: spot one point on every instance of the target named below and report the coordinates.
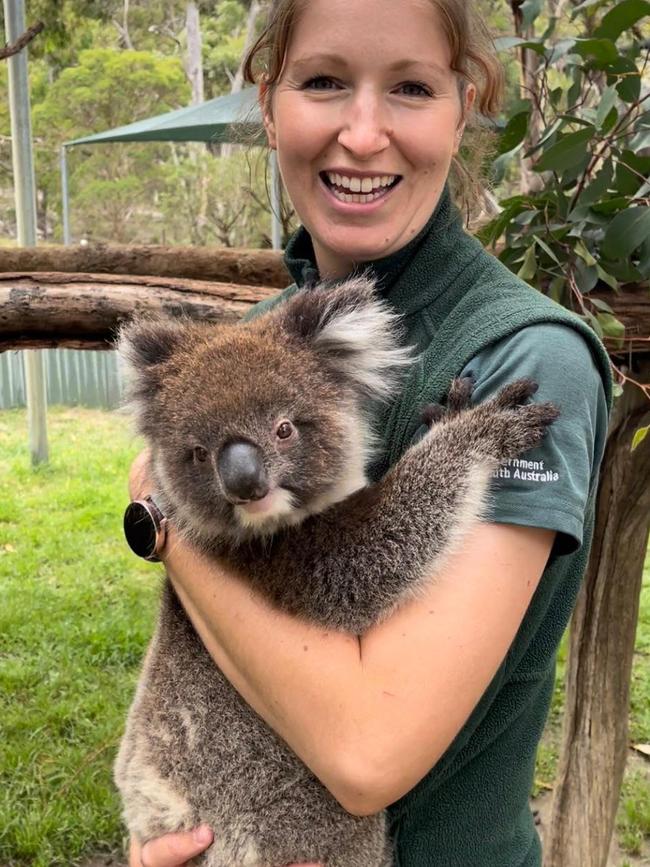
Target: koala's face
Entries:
(256, 426)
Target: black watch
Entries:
(145, 529)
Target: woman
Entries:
(435, 713)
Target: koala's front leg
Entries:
(349, 567)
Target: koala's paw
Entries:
(459, 399)
(507, 425)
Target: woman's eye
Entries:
(200, 454)
(415, 88)
(284, 430)
(320, 82)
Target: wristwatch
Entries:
(145, 529)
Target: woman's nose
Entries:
(365, 130)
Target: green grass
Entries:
(77, 609)
(75, 615)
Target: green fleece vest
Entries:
(471, 810)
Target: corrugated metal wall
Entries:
(74, 377)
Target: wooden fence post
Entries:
(594, 741)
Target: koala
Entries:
(260, 437)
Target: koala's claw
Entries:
(460, 394)
(515, 394)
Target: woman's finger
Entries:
(172, 850)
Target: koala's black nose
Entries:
(242, 471)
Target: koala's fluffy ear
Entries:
(355, 332)
(145, 344)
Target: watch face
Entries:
(140, 529)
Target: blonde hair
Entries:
(473, 59)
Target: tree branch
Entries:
(22, 41)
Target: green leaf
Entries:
(586, 276)
(631, 170)
(530, 9)
(505, 43)
(584, 254)
(617, 389)
(599, 186)
(587, 4)
(611, 281)
(624, 74)
(514, 133)
(597, 52)
(612, 327)
(606, 104)
(601, 305)
(621, 18)
(639, 435)
(627, 231)
(556, 289)
(529, 267)
(568, 151)
(544, 246)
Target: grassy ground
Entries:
(77, 609)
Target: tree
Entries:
(580, 231)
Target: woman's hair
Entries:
(473, 59)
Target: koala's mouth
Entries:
(275, 506)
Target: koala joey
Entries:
(259, 437)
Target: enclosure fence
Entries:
(73, 378)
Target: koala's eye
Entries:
(284, 430)
(200, 454)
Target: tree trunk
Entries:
(251, 267)
(194, 59)
(238, 80)
(83, 311)
(603, 628)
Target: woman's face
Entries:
(366, 118)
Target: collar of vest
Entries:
(413, 276)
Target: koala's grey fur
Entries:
(332, 550)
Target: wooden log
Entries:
(82, 311)
(594, 741)
(219, 264)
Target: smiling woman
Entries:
(435, 712)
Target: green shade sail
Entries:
(235, 118)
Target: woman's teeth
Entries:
(360, 190)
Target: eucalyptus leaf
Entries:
(607, 101)
(529, 10)
(505, 43)
(597, 52)
(611, 281)
(569, 150)
(639, 435)
(544, 246)
(621, 18)
(599, 186)
(514, 133)
(611, 326)
(601, 305)
(529, 267)
(627, 231)
(586, 276)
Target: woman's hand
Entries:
(172, 850)
(175, 850)
(139, 477)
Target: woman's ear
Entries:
(468, 96)
(267, 117)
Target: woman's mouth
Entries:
(355, 190)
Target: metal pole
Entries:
(276, 198)
(24, 186)
(65, 196)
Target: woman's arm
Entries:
(369, 715)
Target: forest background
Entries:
(104, 63)
(579, 222)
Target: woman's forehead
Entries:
(408, 31)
